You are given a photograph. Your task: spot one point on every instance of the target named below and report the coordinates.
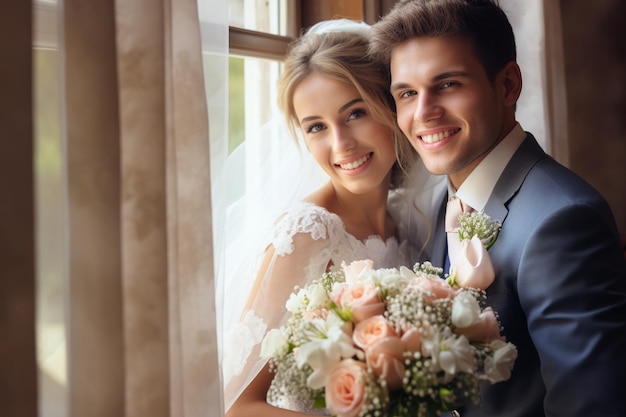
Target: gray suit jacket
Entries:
(560, 292)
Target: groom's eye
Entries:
(449, 84)
(407, 93)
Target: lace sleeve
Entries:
(300, 251)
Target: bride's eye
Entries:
(317, 127)
(356, 114)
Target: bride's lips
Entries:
(353, 164)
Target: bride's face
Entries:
(354, 149)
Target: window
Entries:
(51, 224)
(257, 43)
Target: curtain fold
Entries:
(142, 310)
(189, 218)
(95, 324)
(141, 38)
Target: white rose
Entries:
(275, 344)
(296, 302)
(394, 278)
(355, 269)
(316, 295)
(465, 310)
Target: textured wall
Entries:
(594, 37)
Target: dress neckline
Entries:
(370, 238)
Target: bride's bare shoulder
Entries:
(322, 197)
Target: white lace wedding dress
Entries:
(305, 240)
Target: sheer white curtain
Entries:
(213, 16)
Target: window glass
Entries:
(260, 15)
(252, 96)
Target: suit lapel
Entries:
(512, 178)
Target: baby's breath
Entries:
(427, 268)
(330, 278)
(290, 380)
(477, 223)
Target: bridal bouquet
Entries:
(387, 342)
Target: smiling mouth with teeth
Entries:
(436, 137)
(357, 163)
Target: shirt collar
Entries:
(477, 187)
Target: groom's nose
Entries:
(427, 107)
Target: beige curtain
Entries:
(141, 323)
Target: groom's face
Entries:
(447, 107)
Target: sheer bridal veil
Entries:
(260, 180)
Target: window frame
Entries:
(254, 44)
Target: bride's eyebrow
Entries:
(341, 110)
(348, 104)
(309, 118)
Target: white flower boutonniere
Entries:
(473, 268)
(481, 225)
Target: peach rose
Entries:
(437, 288)
(485, 329)
(386, 359)
(337, 292)
(412, 340)
(345, 388)
(371, 331)
(355, 268)
(363, 300)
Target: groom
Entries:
(560, 287)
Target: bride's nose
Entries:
(343, 140)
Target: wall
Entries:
(595, 66)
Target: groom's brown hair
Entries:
(481, 21)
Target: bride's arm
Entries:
(265, 309)
(252, 400)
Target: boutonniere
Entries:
(478, 223)
(473, 268)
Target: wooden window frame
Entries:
(250, 43)
(256, 44)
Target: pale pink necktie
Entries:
(454, 209)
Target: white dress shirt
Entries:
(477, 187)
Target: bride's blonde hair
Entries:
(342, 54)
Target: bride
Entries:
(337, 99)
